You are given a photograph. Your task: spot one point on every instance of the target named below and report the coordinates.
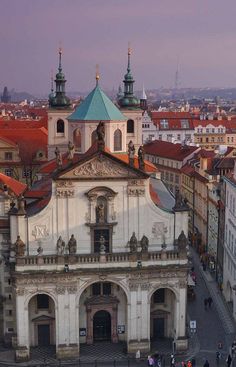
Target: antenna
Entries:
(177, 79)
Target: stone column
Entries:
(22, 321)
(89, 338)
(144, 319)
(180, 320)
(132, 337)
(114, 335)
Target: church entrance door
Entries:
(158, 327)
(44, 335)
(102, 326)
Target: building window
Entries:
(164, 124)
(160, 137)
(171, 177)
(60, 127)
(159, 296)
(176, 179)
(8, 156)
(99, 289)
(8, 172)
(101, 237)
(42, 301)
(184, 124)
(169, 137)
(117, 140)
(26, 172)
(10, 312)
(130, 126)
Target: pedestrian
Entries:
(229, 360)
(193, 362)
(150, 361)
(205, 303)
(189, 364)
(172, 361)
(210, 300)
(206, 364)
(233, 347)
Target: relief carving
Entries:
(40, 231)
(133, 286)
(65, 193)
(135, 191)
(101, 167)
(159, 229)
(65, 184)
(72, 289)
(60, 290)
(20, 291)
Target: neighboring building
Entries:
(169, 159)
(150, 131)
(229, 266)
(209, 134)
(187, 189)
(213, 223)
(174, 127)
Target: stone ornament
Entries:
(133, 243)
(58, 157)
(135, 191)
(21, 205)
(102, 242)
(72, 245)
(101, 135)
(60, 246)
(144, 244)
(19, 247)
(71, 151)
(40, 231)
(141, 158)
(131, 152)
(102, 167)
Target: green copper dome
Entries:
(97, 107)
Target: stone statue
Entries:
(133, 243)
(72, 245)
(131, 151)
(58, 157)
(19, 247)
(21, 205)
(144, 244)
(71, 151)
(101, 135)
(182, 242)
(60, 246)
(141, 157)
(102, 242)
(100, 213)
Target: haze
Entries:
(199, 35)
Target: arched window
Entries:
(93, 136)
(130, 126)
(60, 126)
(117, 140)
(77, 139)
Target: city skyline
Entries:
(195, 37)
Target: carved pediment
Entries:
(99, 167)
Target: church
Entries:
(99, 242)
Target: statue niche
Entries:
(101, 210)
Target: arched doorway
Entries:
(162, 314)
(101, 326)
(103, 313)
(42, 320)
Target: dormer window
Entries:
(184, 124)
(60, 126)
(8, 156)
(164, 124)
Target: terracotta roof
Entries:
(15, 186)
(188, 170)
(165, 149)
(229, 124)
(174, 120)
(30, 140)
(203, 153)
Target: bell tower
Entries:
(130, 107)
(59, 109)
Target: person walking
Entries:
(229, 360)
(206, 364)
(205, 303)
(172, 361)
(210, 300)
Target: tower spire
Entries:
(129, 53)
(97, 74)
(60, 53)
(52, 88)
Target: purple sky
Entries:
(201, 34)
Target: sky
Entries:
(196, 36)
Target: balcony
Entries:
(103, 261)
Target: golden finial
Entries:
(97, 73)
(129, 49)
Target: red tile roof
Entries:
(165, 149)
(173, 118)
(30, 140)
(15, 186)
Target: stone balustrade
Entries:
(83, 261)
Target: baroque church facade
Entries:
(99, 244)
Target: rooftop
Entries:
(97, 107)
(165, 149)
